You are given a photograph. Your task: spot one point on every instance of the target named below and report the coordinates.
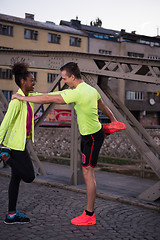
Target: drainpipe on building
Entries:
(88, 44)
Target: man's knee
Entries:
(88, 172)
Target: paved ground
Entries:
(110, 186)
(51, 209)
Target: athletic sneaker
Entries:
(110, 128)
(84, 219)
(5, 150)
(18, 218)
(4, 155)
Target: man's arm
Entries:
(106, 111)
(41, 99)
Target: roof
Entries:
(133, 36)
(90, 29)
(44, 25)
(99, 30)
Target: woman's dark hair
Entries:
(71, 68)
(20, 71)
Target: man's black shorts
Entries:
(90, 147)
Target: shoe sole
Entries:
(83, 224)
(16, 222)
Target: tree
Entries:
(96, 23)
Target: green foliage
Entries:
(96, 23)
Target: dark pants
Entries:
(90, 147)
(21, 169)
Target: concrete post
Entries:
(75, 164)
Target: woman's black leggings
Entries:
(21, 169)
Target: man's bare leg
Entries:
(89, 177)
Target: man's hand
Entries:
(17, 96)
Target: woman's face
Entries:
(29, 83)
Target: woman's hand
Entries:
(17, 96)
(4, 157)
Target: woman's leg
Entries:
(23, 166)
(13, 191)
(22, 169)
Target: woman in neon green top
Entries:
(16, 127)
(86, 101)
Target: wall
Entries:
(96, 44)
(17, 41)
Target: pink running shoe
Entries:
(84, 219)
(110, 128)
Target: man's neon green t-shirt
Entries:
(85, 100)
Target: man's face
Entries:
(68, 80)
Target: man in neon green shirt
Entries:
(86, 101)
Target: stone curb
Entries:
(125, 200)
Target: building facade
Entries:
(27, 34)
(141, 99)
(19, 33)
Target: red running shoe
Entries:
(110, 128)
(84, 219)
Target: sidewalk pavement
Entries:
(111, 186)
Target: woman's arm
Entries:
(41, 99)
(106, 111)
(11, 114)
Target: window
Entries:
(7, 94)
(134, 95)
(133, 54)
(153, 57)
(54, 38)
(105, 52)
(6, 30)
(30, 34)
(2, 47)
(75, 41)
(144, 42)
(103, 36)
(5, 73)
(157, 44)
(51, 77)
(152, 44)
(35, 76)
(99, 36)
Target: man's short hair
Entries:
(71, 68)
